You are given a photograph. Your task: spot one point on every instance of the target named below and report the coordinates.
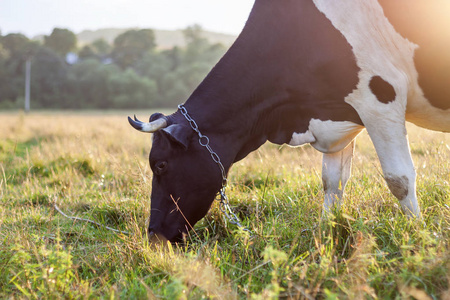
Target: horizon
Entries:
(117, 28)
(19, 16)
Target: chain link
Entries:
(204, 142)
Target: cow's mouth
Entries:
(155, 239)
(159, 239)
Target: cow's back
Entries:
(427, 24)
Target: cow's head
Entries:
(185, 178)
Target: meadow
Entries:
(94, 166)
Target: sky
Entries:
(36, 17)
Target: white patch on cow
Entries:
(327, 136)
(299, 139)
(378, 48)
(380, 51)
(333, 136)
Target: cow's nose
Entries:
(155, 239)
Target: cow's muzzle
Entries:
(156, 239)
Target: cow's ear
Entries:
(178, 133)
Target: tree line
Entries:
(131, 73)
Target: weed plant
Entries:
(95, 167)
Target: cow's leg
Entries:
(381, 104)
(395, 157)
(385, 123)
(336, 170)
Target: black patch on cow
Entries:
(382, 89)
(427, 24)
(288, 66)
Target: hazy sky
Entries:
(34, 17)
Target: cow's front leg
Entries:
(336, 170)
(393, 151)
(381, 104)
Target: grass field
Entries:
(95, 167)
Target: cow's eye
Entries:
(160, 167)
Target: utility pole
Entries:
(27, 84)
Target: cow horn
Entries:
(148, 127)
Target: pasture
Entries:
(95, 166)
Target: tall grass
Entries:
(95, 167)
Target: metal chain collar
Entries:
(204, 142)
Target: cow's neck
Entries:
(238, 124)
(243, 102)
(249, 96)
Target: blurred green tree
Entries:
(62, 41)
(48, 79)
(89, 81)
(130, 89)
(87, 52)
(196, 43)
(14, 43)
(130, 47)
(15, 50)
(101, 47)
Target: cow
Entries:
(301, 72)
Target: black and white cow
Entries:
(307, 71)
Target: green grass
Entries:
(96, 167)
